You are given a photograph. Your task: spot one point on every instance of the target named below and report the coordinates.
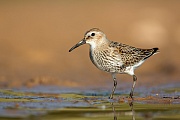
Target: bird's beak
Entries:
(83, 41)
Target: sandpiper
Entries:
(114, 57)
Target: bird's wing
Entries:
(131, 55)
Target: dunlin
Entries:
(114, 57)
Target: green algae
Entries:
(10, 92)
(74, 96)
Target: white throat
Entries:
(92, 44)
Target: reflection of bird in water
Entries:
(132, 110)
(114, 111)
(114, 57)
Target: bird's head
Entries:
(92, 37)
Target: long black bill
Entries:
(77, 45)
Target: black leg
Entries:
(114, 87)
(132, 89)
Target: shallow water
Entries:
(52, 103)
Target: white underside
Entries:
(130, 70)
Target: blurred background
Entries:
(35, 36)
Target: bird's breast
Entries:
(104, 60)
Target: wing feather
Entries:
(132, 55)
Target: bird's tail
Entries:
(155, 51)
(150, 52)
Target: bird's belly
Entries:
(130, 69)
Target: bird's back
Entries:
(131, 55)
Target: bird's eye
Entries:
(92, 34)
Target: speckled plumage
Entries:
(114, 57)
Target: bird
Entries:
(114, 57)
